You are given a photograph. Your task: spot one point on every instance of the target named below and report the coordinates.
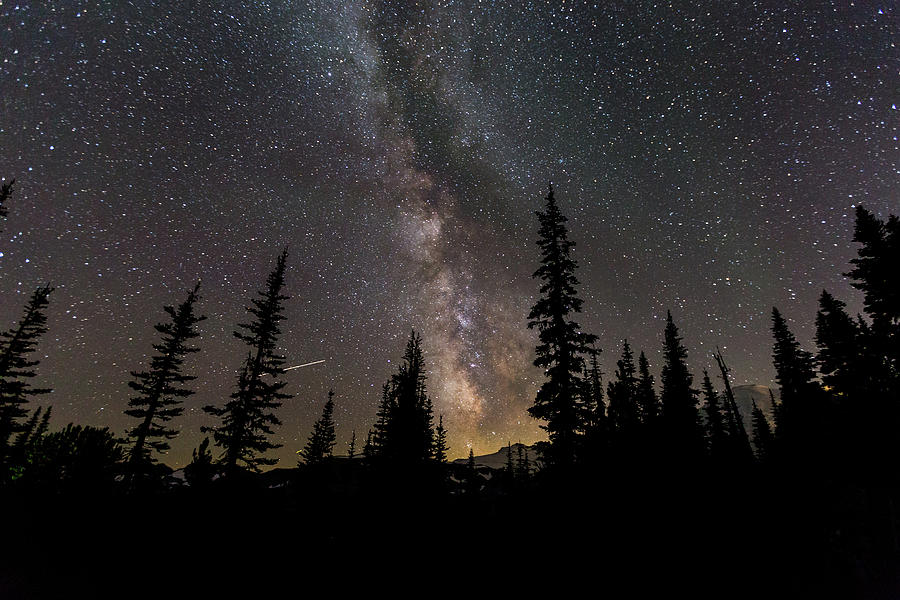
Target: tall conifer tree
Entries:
(440, 442)
(681, 417)
(762, 434)
(647, 400)
(799, 415)
(160, 390)
(562, 345)
(623, 412)
(841, 357)
(321, 441)
(247, 419)
(17, 368)
(411, 433)
(874, 273)
(5, 193)
(380, 434)
(716, 434)
(351, 445)
(404, 431)
(876, 409)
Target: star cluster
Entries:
(708, 155)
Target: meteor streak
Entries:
(315, 362)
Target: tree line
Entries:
(836, 410)
(404, 433)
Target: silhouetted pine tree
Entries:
(646, 397)
(875, 412)
(509, 471)
(594, 420)
(248, 418)
(16, 368)
(681, 418)
(473, 485)
(351, 446)
(842, 363)
(799, 415)
(321, 441)
(623, 412)
(593, 409)
(427, 426)
(378, 440)
(161, 389)
(762, 435)
(854, 379)
(440, 442)
(523, 465)
(369, 448)
(875, 274)
(405, 432)
(716, 436)
(776, 411)
(5, 193)
(562, 344)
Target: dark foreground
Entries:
(291, 534)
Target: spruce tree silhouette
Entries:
(800, 415)
(716, 434)
(681, 417)
(369, 448)
(351, 446)
(440, 442)
(473, 480)
(872, 402)
(875, 274)
(594, 406)
(594, 417)
(378, 440)
(17, 344)
(404, 432)
(509, 470)
(523, 464)
(647, 400)
(623, 413)
(844, 364)
(248, 418)
(321, 441)
(762, 435)
(5, 193)
(562, 345)
(412, 433)
(161, 389)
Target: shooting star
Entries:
(309, 364)
(315, 362)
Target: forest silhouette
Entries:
(639, 486)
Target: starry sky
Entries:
(708, 155)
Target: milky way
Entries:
(708, 155)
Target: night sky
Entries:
(707, 154)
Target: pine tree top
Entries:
(5, 193)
